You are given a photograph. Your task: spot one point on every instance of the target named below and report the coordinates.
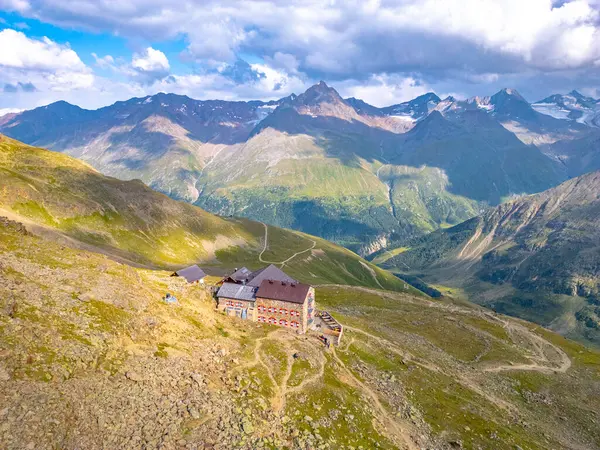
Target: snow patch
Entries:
(552, 110)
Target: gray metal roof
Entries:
(191, 274)
(237, 291)
(241, 274)
(269, 273)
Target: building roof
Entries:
(269, 273)
(283, 291)
(191, 274)
(240, 275)
(237, 292)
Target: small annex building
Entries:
(237, 300)
(268, 295)
(192, 274)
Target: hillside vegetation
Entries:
(93, 358)
(63, 197)
(536, 257)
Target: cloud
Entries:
(384, 51)
(355, 38)
(24, 87)
(21, 52)
(47, 65)
(384, 90)
(104, 62)
(150, 65)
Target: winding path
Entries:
(282, 263)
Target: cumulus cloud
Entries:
(384, 90)
(150, 65)
(21, 52)
(45, 63)
(104, 62)
(357, 38)
(384, 51)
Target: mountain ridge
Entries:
(535, 257)
(321, 157)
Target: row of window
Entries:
(236, 304)
(281, 322)
(274, 310)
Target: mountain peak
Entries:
(319, 93)
(575, 93)
(510, 92)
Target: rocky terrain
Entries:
(536, 257)
(92, 357)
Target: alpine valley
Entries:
(364, 177)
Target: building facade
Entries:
(289, 305)
(279, 300)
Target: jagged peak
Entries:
(508, 92)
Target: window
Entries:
(283, 311)
(262, 319)
(293, 313)
(238, 304)
(294, 324)
(272, 320)
(229, 303)
(283, 322)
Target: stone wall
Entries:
(285, 314)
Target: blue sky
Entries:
(94, 52)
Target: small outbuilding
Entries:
(192, 274)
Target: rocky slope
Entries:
(536, 257)
(68, 200)
(342, 169)
(91, 357)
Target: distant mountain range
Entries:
(362, 176)
(537, 257)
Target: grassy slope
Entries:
(535, 257)
(71, 350)
(130, 220)
(329, 186)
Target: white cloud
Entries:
(104, 62)
(355, 38)
(150, 60)
(21, 52)
(384, 90)
(150, 65)
(42, 63)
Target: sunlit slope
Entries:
(85, 340)
(57, 193)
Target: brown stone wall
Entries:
(283, 314)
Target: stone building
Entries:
(268, 296)
(290, 305)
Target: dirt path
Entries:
(316, 377)
(537, 341)
(398, 432)
(282, 263)
(543, 365)
(281, 389)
